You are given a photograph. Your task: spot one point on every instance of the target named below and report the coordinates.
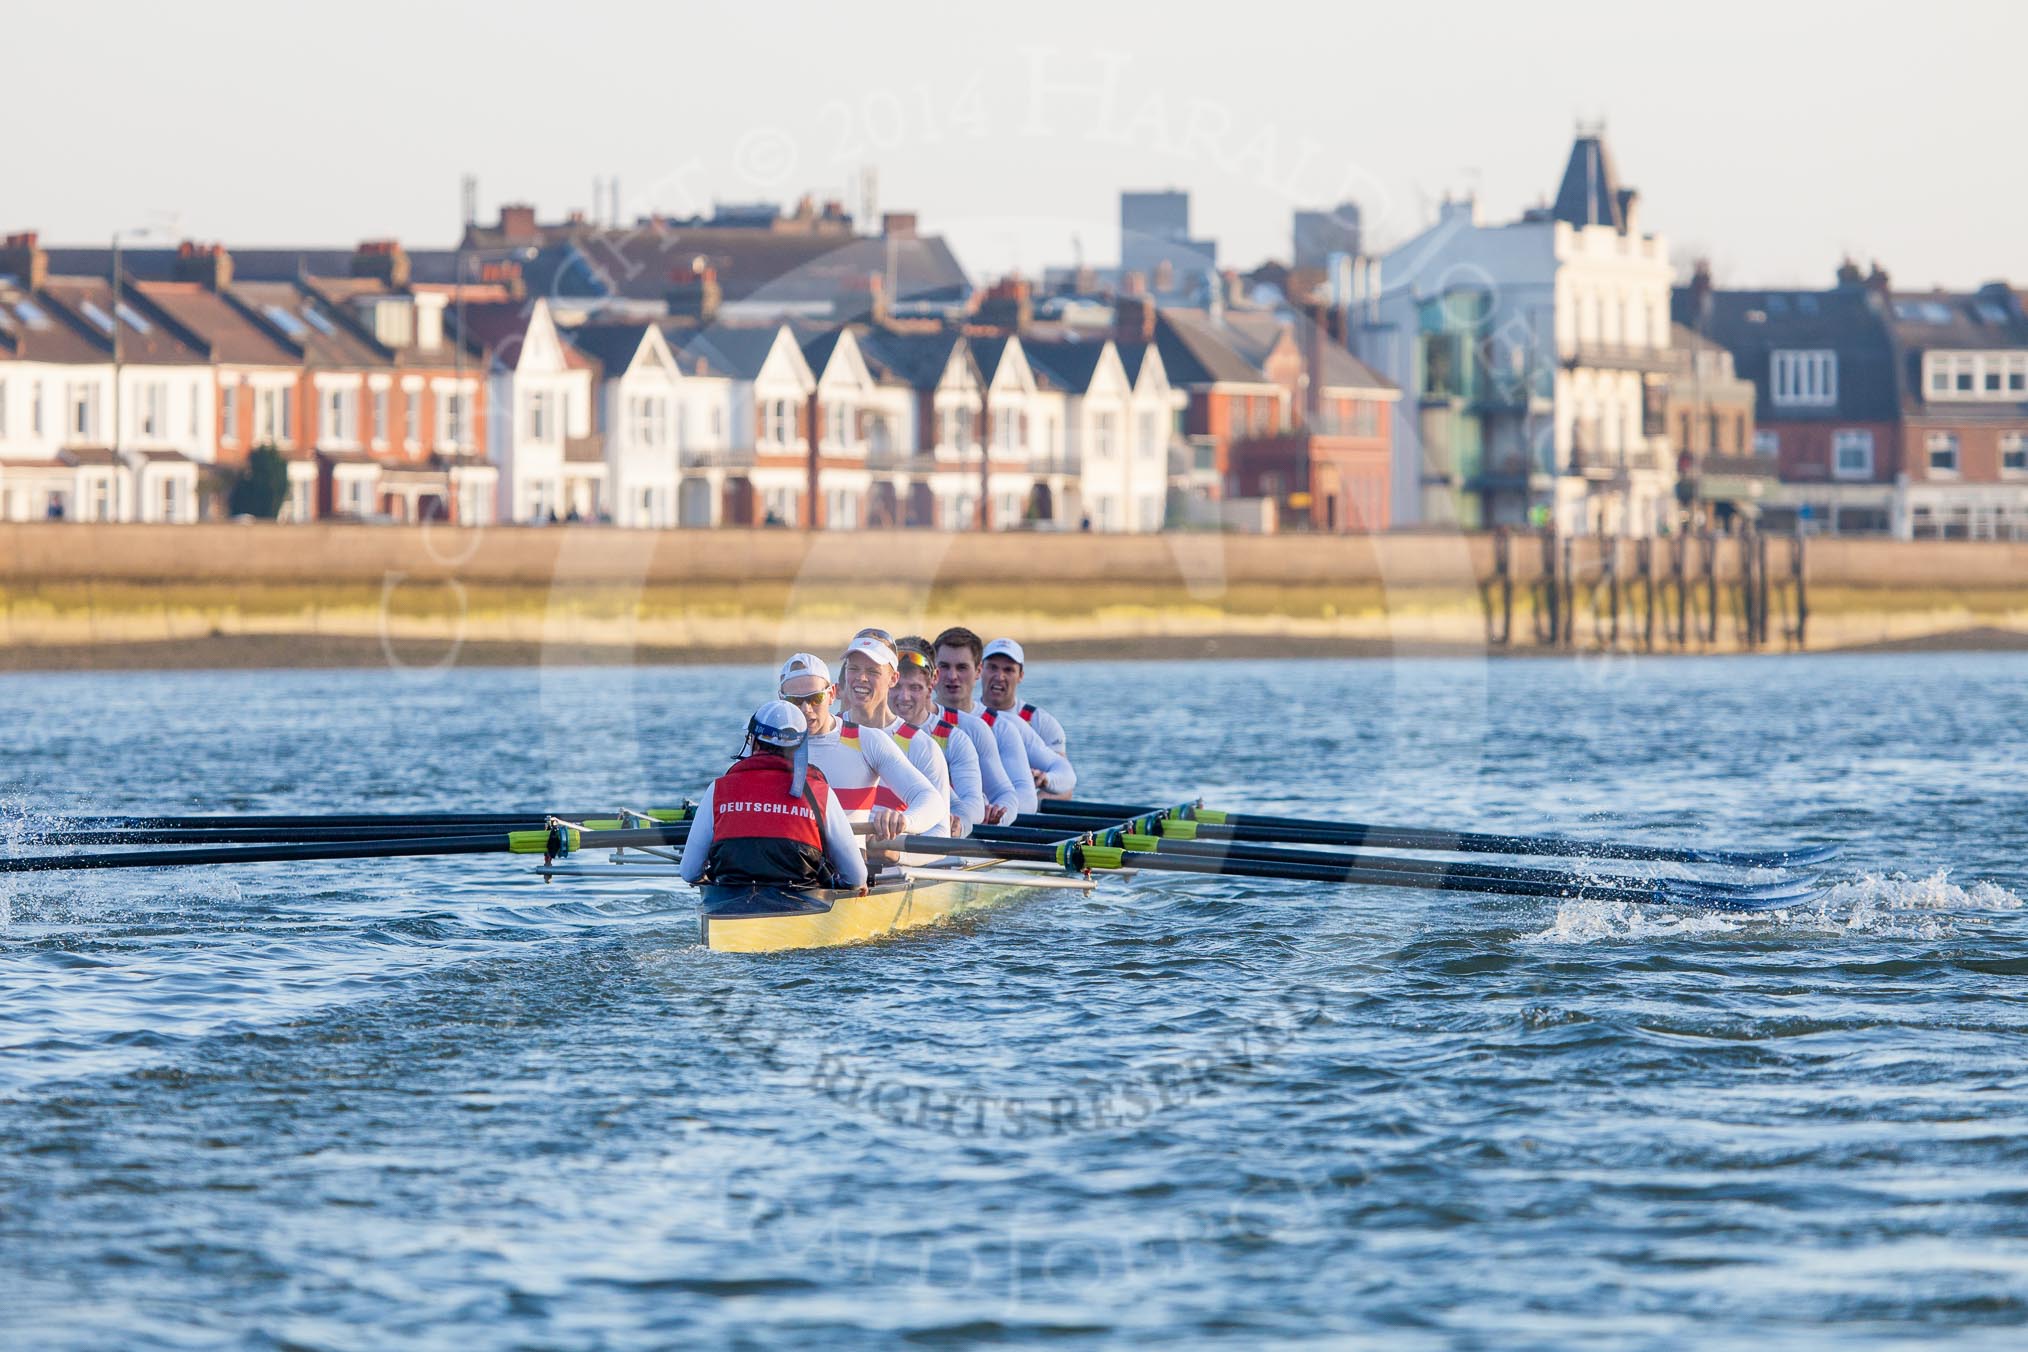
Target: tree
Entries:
(262, 487)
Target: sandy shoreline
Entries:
(254, 652)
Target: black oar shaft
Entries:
(491, 842)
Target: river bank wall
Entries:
(76, 595)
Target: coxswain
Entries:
(771, 821)
(912, 699)
(1028, 764)
(869, 775)
(1004, 666)
(869, 671)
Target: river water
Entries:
(437, 1104)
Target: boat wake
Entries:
(1890, 905)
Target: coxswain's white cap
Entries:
(868, 646)
(1004, 647)
(779, 723)
(807, 673)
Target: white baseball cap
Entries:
(867, 645)
(1004, 647)
(778, 723)
(802, 669)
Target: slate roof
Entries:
(1590, 193)
(794, 269)
(916, 359)
(231, 336)
(738, 350)
(1197, 350)
(154, 343)
(1069, 363)
(1846, 320)
(254, 265)
(612, 346)
(293, 316)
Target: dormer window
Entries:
(1805, 379)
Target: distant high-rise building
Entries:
(1319, 234)
(1155, 229)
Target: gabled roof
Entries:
(1068, 363)
(1340, 370)
(32, 328)
(252, 265)
(756, 265)
(916, 359)
(1844, 320)
(233, 338)
(612, 346)
(1985, 319)
(297, 318)
(89, 302)
(738, 350)
(499, 328)
(1198, 350)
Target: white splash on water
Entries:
(1889, 905)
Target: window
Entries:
(1102, 436)
(380, 417)
(1766, 442)
(1852, 454)
(411, 418)
(228, 415)
(338, 415)
(541, 415)
(1986, 376)
(647, 420)
(1805, 379)
(682, 424)
(2014, 452)
(35, 407)
(781, 422)
(451, 419)
(274, 416)
(838, 425)
(1943, 452)
(84, 413)
(151, 418)
(301, 507)
(1146, 448)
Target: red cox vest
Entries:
(761, 834)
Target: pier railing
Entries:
(1678, 592)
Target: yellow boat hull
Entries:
(889, 908)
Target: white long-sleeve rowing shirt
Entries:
(928, 758)
(1000, 788)
(1022, 747)
(961, 762)
(866, 770)
(1044, 722)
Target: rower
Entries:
(771, 821)
(911, 700)
(869, 774)
(1028, 763)
(871, 668)
(1003, 691)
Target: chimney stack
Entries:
(1134, 319)
(207, 264)
(384, 259)
(1849, 274)
(517, 223)
(22, 256)
(898, 224)
(694, 292)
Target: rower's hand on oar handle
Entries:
(1041, 779)
(994, 812)
(888, 822)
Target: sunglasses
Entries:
(814, 697)
(910, 658)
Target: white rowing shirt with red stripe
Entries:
(1022, 747)
(866, 770)
(961, 762)
(928, 758)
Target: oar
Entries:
(1354, 862)
(544, 841)
(1074, 855)
(264, 835)
(1211, 824)
(399, 821)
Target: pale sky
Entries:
(1773, 135)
